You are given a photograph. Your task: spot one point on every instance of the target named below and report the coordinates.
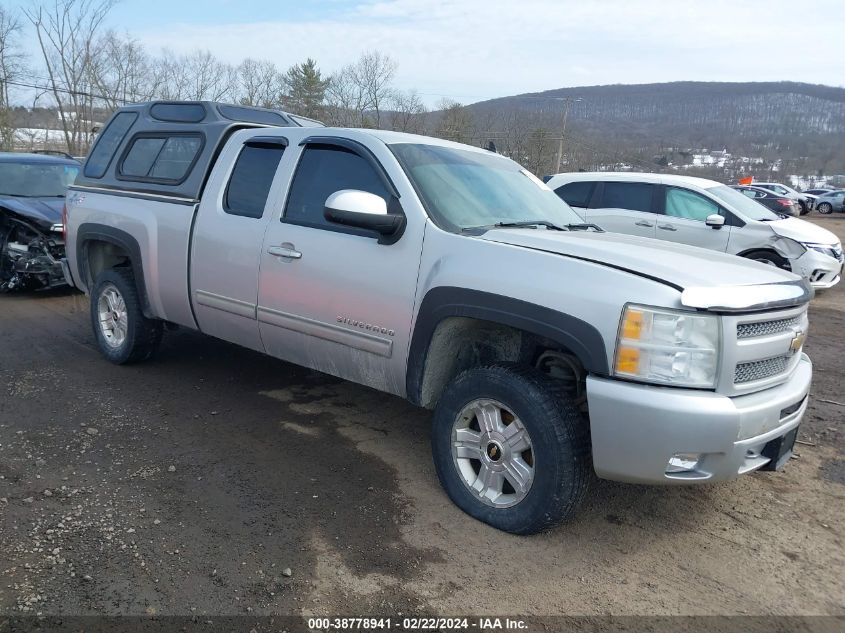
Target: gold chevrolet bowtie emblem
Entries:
(797, 342)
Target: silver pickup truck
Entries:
(449, 276)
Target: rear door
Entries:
(683, 219)
(227, 239)
(624, 207)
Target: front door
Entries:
(332, 297)
(683, 220)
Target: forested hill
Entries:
(743, 108)
(796, 119)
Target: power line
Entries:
(65, 91)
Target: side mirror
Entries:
(715, 221)
(363, 210)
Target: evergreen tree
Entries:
(306, 89)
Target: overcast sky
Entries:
(477, 49)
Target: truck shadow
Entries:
(310, 407)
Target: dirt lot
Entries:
(216, 481)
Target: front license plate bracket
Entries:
(779, 450)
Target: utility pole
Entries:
(567, 103)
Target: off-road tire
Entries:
(143, 335)
(560, 443)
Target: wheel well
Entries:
(459, 343)
(99, 256)
(767, 251)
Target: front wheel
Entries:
(123, 333)
(825, 208)
(511, 449)
(769, 258)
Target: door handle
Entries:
(643, 223)
(285, 250)
(666, 227)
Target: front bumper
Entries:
(822, 271)
(637, 428)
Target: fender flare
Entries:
(576, 335)
(91, 232)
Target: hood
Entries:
(678, 265)
(42, 212)
(802, 231)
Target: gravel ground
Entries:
(215, 481)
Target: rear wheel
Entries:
(769, 258)
(123, 333)
(510, 448)
(825, 207)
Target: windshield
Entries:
(36, 179)
(736, 201)
(462, 189)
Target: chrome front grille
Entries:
(761, 349)
(760, 369)
(766, 328)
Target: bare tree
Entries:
(209, 78)
(374, 74)
(67, 32)
(408, 112)
(194, 77)
(357, 94)
(12, 66)
(122, 71)
(259, 83)
(455, 121)
(346, 103)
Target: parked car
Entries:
(453, 277)
(787, 191)
(770, 199)
(831, 201)
(32, 191)
(812, 195)
(702, 213)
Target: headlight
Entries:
(826, 249)
(667, 347)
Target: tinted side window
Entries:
(322, 171)
(161, 158)
(139, 161)
(250, 182)
(576, 194)
(683, 203)
(104, 149)
(635, 196)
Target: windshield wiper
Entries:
(584, 226)
(530, 223)
(526, 224)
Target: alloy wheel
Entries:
(492, 453)
(112, 315)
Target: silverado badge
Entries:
(797, 342)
